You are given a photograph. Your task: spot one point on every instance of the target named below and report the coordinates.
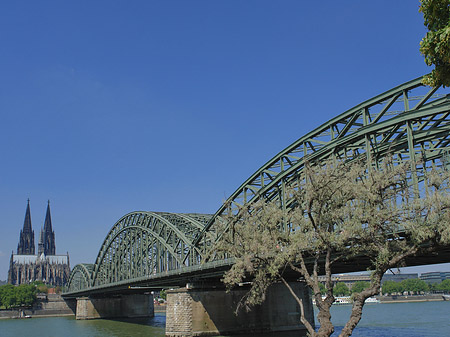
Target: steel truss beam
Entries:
(409, 122)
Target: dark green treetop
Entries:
(435, 46)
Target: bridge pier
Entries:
(211, 312)
(130, 306)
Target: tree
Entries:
(8, 296)
(163, 294)
(334, 212)
(435, 46)
(323, 290)
(414, 285)
(360, 286)
(444, 286)
(392, 287)
(22, 295)
(41, 287)
(341, 289)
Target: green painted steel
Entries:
(409, 122)
(147, 243)
(80, 277)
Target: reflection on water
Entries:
(427, 319)
(419, 319)
(69, 327)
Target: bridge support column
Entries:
(203, 312)
(131, 306)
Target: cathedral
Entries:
(26, 266)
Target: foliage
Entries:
(163, 294)
(25, 295)
(41, 287)
(435, 46)
(360, 286)
(7, 296)
(392, 287)
(323, 290)
(13, 296)
(414, 285)
(444, 286)
(341, 289)
(334, 212)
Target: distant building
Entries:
(435, 277)
(46, 266)
(350, 279)
(398, 277)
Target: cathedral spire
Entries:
(41, 242)
(27, 221)
(26, 238)
(48, 236)
(48, 220)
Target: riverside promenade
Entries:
(48, 305)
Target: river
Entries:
(426, 319)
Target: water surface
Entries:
(426, 319)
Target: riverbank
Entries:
(412, 298)
(160, 308)
(51, 305)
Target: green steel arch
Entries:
(80, 277)
(147, 243)
(407, 123)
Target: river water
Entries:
(426, 319)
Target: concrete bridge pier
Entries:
(211, 312)
(129, 306)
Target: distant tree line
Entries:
(414, 286)
(17, 296)
(341, 289)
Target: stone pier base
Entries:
(129, 306)
(201, 312)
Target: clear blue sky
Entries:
(109, 107)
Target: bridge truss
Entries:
(407, 123)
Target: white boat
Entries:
(340, 300)
(372, 300)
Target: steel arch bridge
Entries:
(407, 123)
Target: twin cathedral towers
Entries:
(46, 243)
(26, 266)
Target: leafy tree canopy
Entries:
(341, 289)
(435, 46)
(444, 286)
(360, 286)
(391, 287)
(334, 212)
(414, 285)
(22, 295)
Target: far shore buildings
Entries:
(26, 266)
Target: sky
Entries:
(109, 107)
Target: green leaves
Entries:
(409, 285)
(360, 286)
(341, 289)
(22, 295)
(333, 212)
(435, 46)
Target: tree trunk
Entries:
(358, 303)
(326, 327)
(303, 319)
